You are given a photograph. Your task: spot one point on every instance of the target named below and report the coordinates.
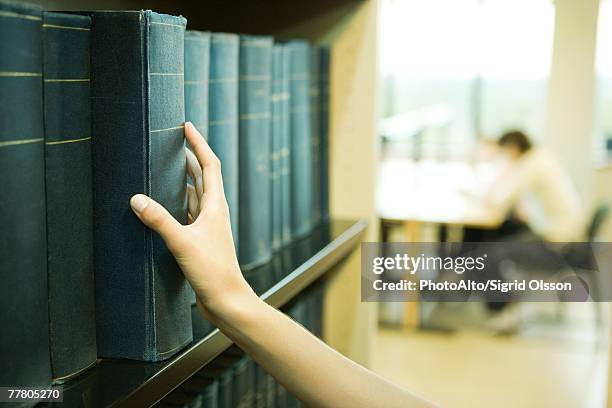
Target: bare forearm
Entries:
(204, 250)
(306, 366)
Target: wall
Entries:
(350, 325)
(569, 125)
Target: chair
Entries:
(599, 217)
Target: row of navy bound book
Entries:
(92, 111)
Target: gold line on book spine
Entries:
(68, 141)
(61, 27)
(255, 78)
(221, 122)
(166, 129)
(166, 73)
(256, 115)
(18, 15)
(19, 74)
(67, 80)
(19, 142)
(229, 79)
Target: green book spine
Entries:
(285, 149)
(69, 196)
(223, 117)
(301, 140)
(324, 61)
(315, 136)
(197, 56)
(276, 102)
(24, 342)
(142, 299)
(254, 150)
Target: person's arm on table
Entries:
(307, 367)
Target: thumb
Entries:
(156, 217)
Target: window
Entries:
(460, 69)
(603, 72)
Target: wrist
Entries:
(233, 305)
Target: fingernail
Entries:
(139, 202)
(188, 124)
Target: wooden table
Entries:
(447, 194)
(429, 192)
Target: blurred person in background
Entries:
(535, 193)
(540, 205)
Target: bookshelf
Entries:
(134, 383)
(350, 28)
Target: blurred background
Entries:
(454, 77)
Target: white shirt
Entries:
(538, 188)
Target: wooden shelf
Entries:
(291, 270)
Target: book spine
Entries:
(197, 54)
(210, 394)
(23, 293)
(69, 201)
(142, 300)
(324, 61)
(223, 117)
(285, 151)
(264, 388)
(270, 391)
(255, 69)
(276, 147)
(281, 396)
(240, 384)
(171, 316)
(301, 145)
(224, 398)
(315, 137)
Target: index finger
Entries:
(211, 166)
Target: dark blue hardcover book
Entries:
(318, 299)
(270, 391)
(315, 137)
(197, 54)
(223, 117)
(265, 388)
(301, 144)
(285, 151)
(221, 371)
(276, 145)
(324, 63)
(254, 149)
(23, 263)
(281, 396)
(142, 299)
(69, 195)
(242, 391)
(206, 388)
(210, 395)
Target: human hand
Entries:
(204, 249)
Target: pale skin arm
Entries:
(204, 249)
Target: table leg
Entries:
(412, 230)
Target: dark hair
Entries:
(517, 139)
